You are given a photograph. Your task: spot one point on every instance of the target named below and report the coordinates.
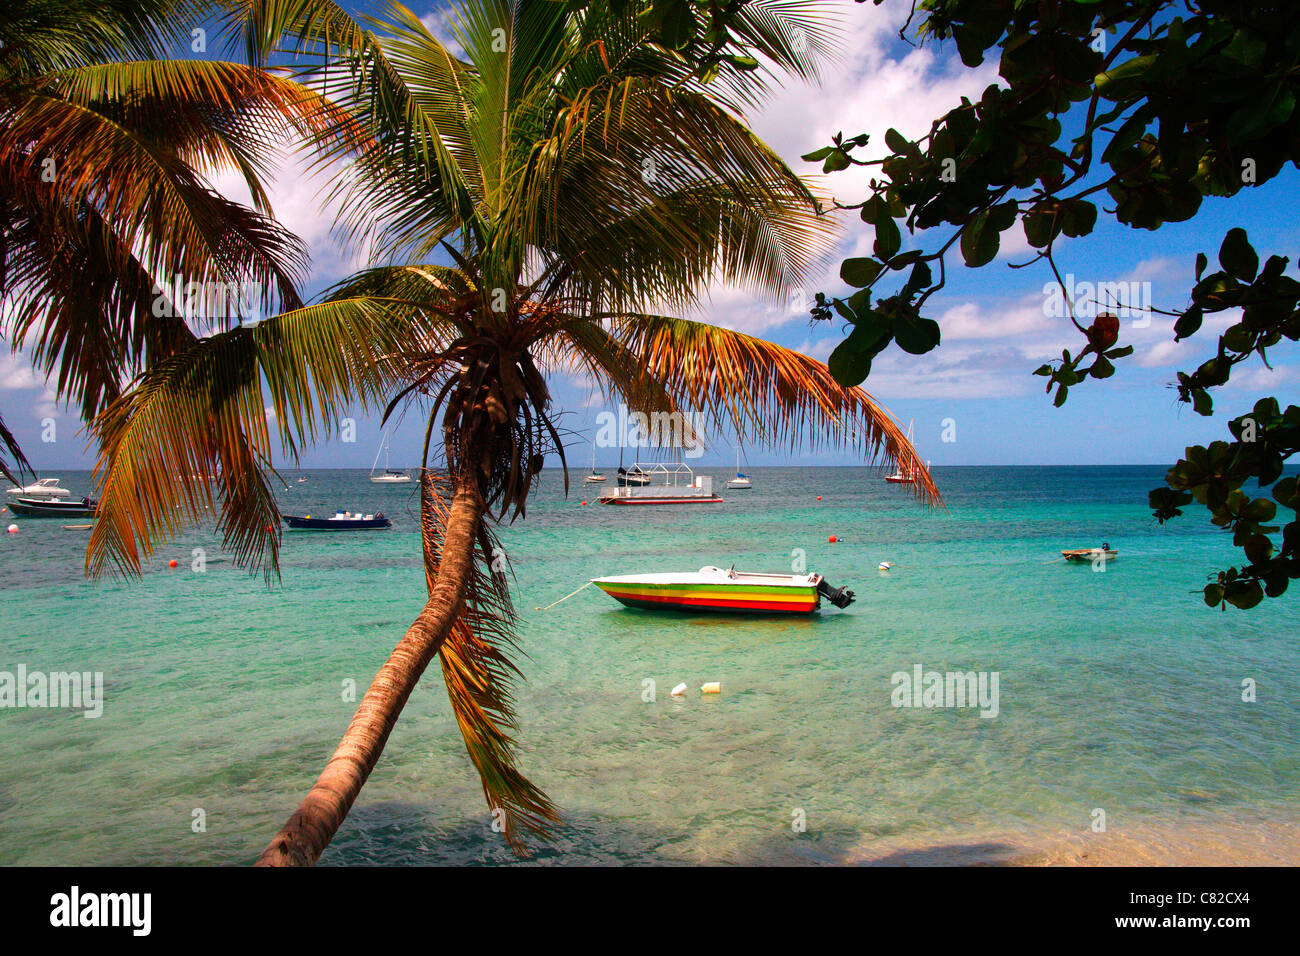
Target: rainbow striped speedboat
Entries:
(713, 589)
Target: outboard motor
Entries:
(840, 597)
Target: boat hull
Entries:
(651, 499)
(305, 523)
(717, 599)
(29, 508)
(1089, 555)
(713, 590)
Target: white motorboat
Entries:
(46, 489)
(713, 589)
(679, 486)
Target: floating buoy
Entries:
(883, 566)
(584, 504)
(12, 529)
(713, 687)
(819, 497)
(171, 563)
(832, 539)
(678, 690)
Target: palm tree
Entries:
(583, 184)
(105, 150)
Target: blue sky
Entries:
(996, 328)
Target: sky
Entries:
(973, 401)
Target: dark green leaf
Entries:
(860, 272)
(1237, 256)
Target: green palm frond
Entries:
(103, 195)
(192, 438)
(151, 197)
(37, 36)
(417, 109)
(207, 113)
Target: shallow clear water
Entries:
(1118, 690)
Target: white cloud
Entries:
(16, 372)
(973, 321)
(869, 91)
(1263, 378)
(300, 202)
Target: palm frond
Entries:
(193, 433)
(479, 677)
(37, 36)
(767, 392)
(585, 346)
(211, 114)
(12, 451)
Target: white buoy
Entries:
(678, 690)
(12, 529)
(883, 566)
(712, 687)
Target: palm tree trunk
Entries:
(304, 837)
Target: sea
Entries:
(1124, 721)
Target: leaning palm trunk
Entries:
(309, 830)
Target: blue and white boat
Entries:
(341, 521)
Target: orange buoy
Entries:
(171, 563)
(12, 529)
(832, 539)
(584, 503)
(819, 497)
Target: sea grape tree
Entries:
(1133, 109)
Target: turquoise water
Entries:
(1118, 690)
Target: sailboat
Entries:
(901, 477)
(632, 477)
(595, 477)
(389, 477)
(741, 480)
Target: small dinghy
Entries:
(1090, 555)
(53, 508)
(730, 591)
(342, 521)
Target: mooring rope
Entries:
(565, 598)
